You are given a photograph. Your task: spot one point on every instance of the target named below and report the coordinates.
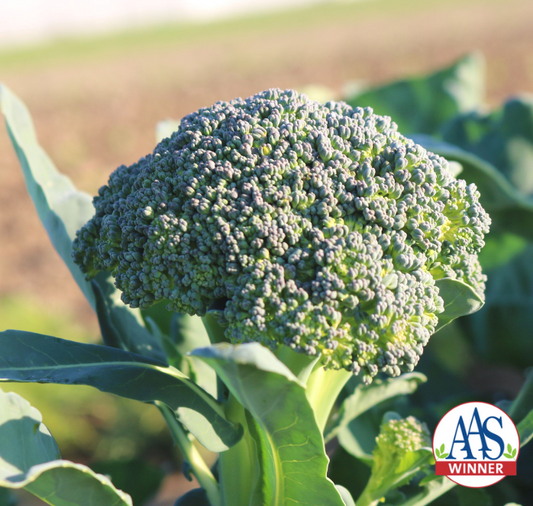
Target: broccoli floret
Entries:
(316, 226)
(391, 467)
(397, 437)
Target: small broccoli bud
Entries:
(397, 437)
(318, 227)
(392, 466)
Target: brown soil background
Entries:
(95, 112)
(99, 111)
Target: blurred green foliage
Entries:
(87, 424)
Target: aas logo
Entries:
(476, 445)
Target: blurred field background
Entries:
(96, 100)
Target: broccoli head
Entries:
(315, 226)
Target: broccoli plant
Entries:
(314, 227)
(319, 248)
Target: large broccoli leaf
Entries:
(424, 104)
(292, 460)
(501, 330)
(29, 460)
(25, 356)
(63, 210)
(503, 137)
(180, 334)
(365, 397)
(460, 299)
(522, 406)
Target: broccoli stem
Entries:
(199, 468)
(238, 466)
(368, 498)
(323, 388)
(300, 364)
(215, 331)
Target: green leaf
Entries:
(28, 460)
(509, 210)
(525, 429)
(25, 356)
(410, 465)
(121, 326)
(442, 447)
(437, 453)
(459, 300)
(291, 452)
(501, 331)
(7, 498)
(358, 438)
(346, 496)
(473, 497)
(503, 137)
(25, 440)
(432, 487)
(443, 455)
(63, 483)
(424, 104)
(63, 210)
(509, 456)
(514, 453)
(509, 448)
(366, 397)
